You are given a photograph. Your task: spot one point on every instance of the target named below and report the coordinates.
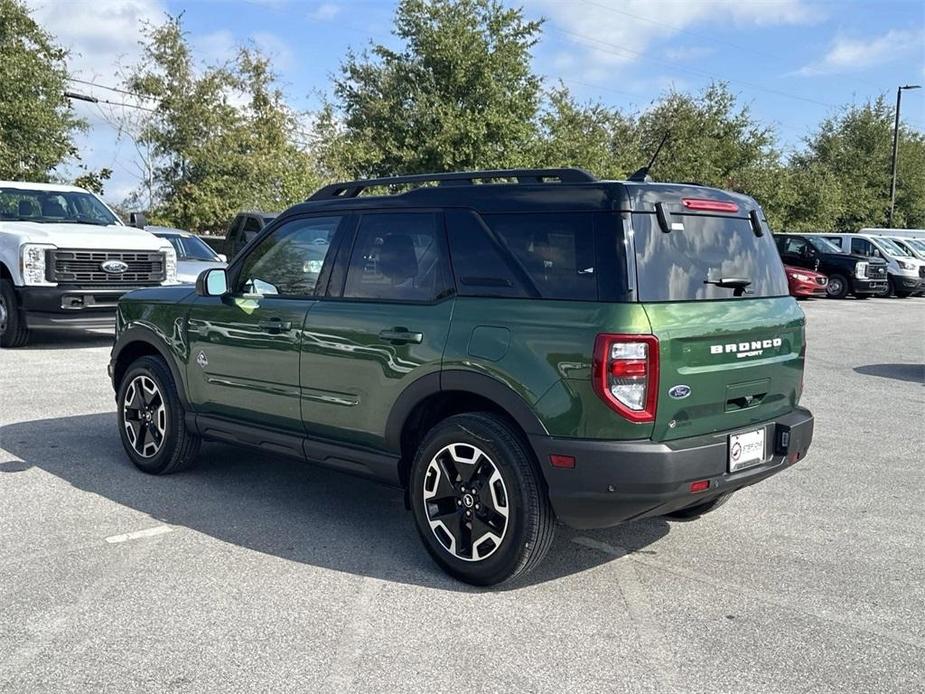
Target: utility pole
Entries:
(899, 96)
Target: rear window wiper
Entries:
(738, 284)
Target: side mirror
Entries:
(223, 257)
(137, 219)
(212, 282)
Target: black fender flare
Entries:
(465, 381)
(140, 333)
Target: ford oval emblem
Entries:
(679, 392)
(114, 267)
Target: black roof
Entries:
(513, 190)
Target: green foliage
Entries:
(222, 137)
(94, 181)
(459, 95)
(849, 157)
(36, 121)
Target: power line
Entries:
(112, 89)
(77, 96)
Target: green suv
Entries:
(513, 348)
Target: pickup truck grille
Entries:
(86, 267)
(876, 272)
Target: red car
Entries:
(804, 283)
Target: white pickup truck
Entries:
(66, 258)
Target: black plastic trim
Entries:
(138, 333)
(497, 391)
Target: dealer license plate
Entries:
(746, 450)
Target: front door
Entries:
(245, 347)
(384, 327)
(796, 251)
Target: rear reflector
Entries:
(700, 486)
(562, 461)
(709, 205)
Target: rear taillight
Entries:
(701, 205)
(626, 374)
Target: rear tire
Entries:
(837, 288)
(478, 500)
(693, 512)
(151, 419)
(13, 329)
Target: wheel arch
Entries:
(437, 396)
(138, 342)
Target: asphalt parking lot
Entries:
(252, 573)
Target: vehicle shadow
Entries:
(68, 339)
(900, 372)
(276, 505)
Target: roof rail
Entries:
(351, 189)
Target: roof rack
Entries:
(351, 189)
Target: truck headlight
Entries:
(32, 264)
(904, 265)
(860, 270)
(170, 265)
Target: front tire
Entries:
(13, 329)
(478, 500)
(837, 288)
(151, 418)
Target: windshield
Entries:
(823, 245)
(190, 248)
(53, 206)
(712, 257)
(888, 246)
(908, 245)
(917, 244)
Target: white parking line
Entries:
(147, 532)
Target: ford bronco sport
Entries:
(510, 347)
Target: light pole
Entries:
(899, 96)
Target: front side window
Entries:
(47, 206)
(191, 248)
(861, 246)
(288, 262)
(823, 245)
(398, 257)
(795, 244)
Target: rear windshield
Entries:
(712, 257)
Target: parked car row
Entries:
(862, 265)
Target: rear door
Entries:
(383, 326)
(730, 337)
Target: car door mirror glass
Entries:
(212, 282)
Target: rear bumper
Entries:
(868, 286)
(616, 481)
(70, 307)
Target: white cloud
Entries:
(101, 35)
(687, 53)
(619, 32)
(846, 54)
(324, 12)
(274, 48)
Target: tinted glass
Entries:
(251, 224)
(289, 261)
(53, 206)
(860, 246)
(479, 262)
(398, 257)
(824, 245)
(688, 264)
(554, 252)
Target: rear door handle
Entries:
(401, 335)
(274, 325)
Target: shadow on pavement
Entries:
(275, 505)
(901, 372)
(67, 339)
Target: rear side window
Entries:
(692, 263)
(481, 265)
(398, 257)
(553, 252)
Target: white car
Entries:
(193, 254)
(66, 258)
(906, 274)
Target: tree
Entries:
(459, 95)
(851, 153)
(222, 137)
(36, 121)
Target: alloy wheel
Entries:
(144, 416)
(834, 287)
(3, 315)
(466, 502)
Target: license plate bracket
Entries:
(746, 449)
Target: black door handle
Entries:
(274, 325)
(401, 335)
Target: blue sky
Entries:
(793, 61)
